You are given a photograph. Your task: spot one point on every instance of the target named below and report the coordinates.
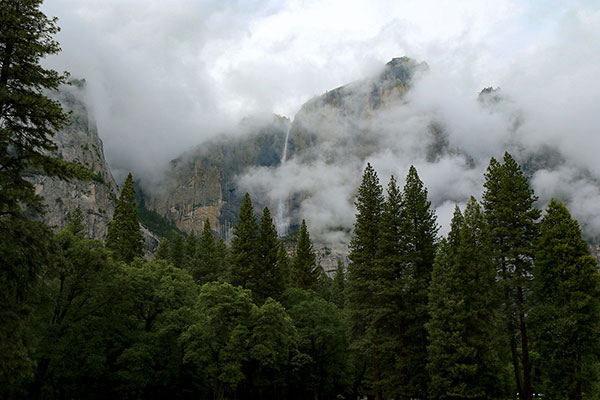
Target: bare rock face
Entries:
(79, 142)
(341, 118)
(201, 184)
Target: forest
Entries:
(505, 306)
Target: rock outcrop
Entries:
(202, 184)
(79, 142)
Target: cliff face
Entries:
(341, 118)
(202, 184)
(79, 142)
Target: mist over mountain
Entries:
(406, 114)
(448, 135)
(182, 77)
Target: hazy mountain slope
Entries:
(79, 142)
(201, 184)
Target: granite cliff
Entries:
(202, 184)
(79, 142)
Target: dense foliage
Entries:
(503, 305)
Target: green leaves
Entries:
(463, 359)
(304, 271)
(565, 307)
(244, 245)
(511, 219)
(124, 235)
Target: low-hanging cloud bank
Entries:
(547, 117)
(163, 77)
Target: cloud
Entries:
(165, 76)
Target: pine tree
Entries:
(177, 252)
(190, 249)
(204, 268)
(337, 288)
(28, 121)
(362, 275)
(389, 314)
(283, 263)
(419, 235)
(124, 235)
(511, 217)
(304, 269)
(222, 272)
(462, 358)
(162, 253)
(268, 279)
(75, 223)
(244, 245)
(565, 309)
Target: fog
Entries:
(165, 76)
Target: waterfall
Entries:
(281, 220)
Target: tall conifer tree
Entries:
(337, 288)
(244, 246)
(268, 278)
(304, 269)
(362, 274)
(463, 361)
(204, 268)
(177, 251)
(283, 263)
(162, 253)
(566, 308)
(508, 202)
(124, 235)
(419, 234)
(190, 250)
(390, 294)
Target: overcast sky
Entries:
(166, 75)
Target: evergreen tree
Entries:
(304, 270)
(389, 289)
(222, 271)
(419, 235)
(512, 220)
(337, 289)
(162, 253)
(205, 268)
(75, 223)
(268, 279)
(565, 310)
(463, 361)
(190, 249)
(28, 121)
(283, 263)
(362, 270)
(244, 245)
(177, 251)
(124, 235)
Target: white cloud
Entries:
(164, 76)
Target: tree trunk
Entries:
(524, 347)
(515, 359)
